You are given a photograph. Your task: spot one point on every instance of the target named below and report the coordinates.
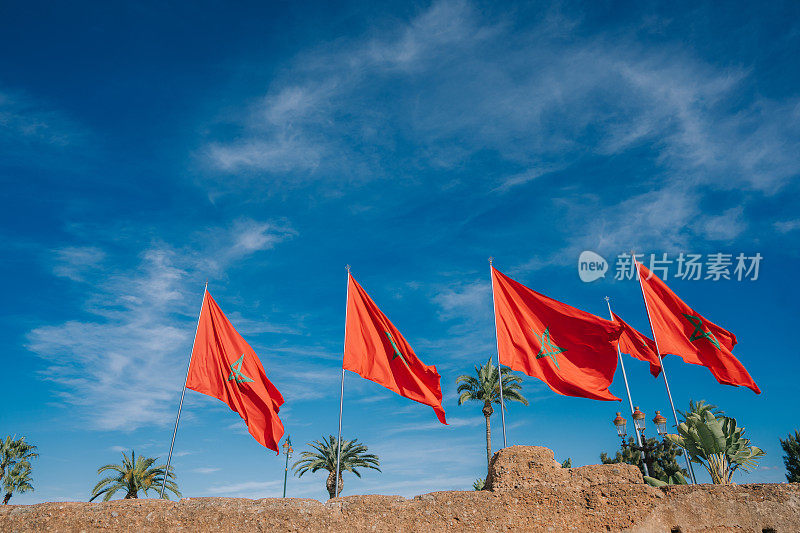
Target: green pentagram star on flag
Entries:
(548, 349)
(396, 350)
(698, 332)
(236, 372)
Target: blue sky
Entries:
(145, 148)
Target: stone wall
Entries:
(529, 491)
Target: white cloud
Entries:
(531, 174)
(668, 219)
(785, 226)
(278, 155)
(204, 470)
(250, 489)
(226, 245)
(297, 126)
(724, 227)
(122, 371)
(473, 84)
(469, 299)
(73, 261)
(439, 464)
(452, 423)
(466, 307)
(104, 367)
(252, 236)
(304, 381)
(24, 120)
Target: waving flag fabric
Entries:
(375, 350)
(224, 366)
(682, 331)
(574, 352)
(638, 345)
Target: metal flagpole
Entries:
(627, 388)
(183, 392)
(341, 396)
(287, 444)
(661, 361)
(499, 371)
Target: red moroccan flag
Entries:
(682, 331)
(574, 352)
(638, 345)
(224, 366)
(375, 350)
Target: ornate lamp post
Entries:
(645, 448)
(287, 449)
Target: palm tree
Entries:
(353, 455)
(17, 480)
(132, 476)
(15, 466)
(484, 388)
(13, 451)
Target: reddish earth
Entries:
(528, 491)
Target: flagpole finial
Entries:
(348, 268)
(491, 260)
(607, 298)
(206, 283)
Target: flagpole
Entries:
(661, 361)
(627, 388)
(183, 392)
(497, 343)
(341, 396)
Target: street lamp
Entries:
(645, 447)
(661, 423)
(638, 419)
(287, 449)
(620, 423)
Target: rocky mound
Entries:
(527, 491)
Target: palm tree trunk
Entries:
(6, 498)
(488, 442)
(330, 484)
(487, 412)
(132, 494)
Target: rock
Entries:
(529, 492)
(519, 467)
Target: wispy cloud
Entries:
(296, 126)
(74, 261)
(245, 236)
(251, 489)
(142, 334)
(452, 423)
(35, 133)
(25, 120)
(465, 307)
(466, 299)
(785, 226)
(475, 82)
(204, 470)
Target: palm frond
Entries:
(135, 474)
(353, 456)
(484, 386)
